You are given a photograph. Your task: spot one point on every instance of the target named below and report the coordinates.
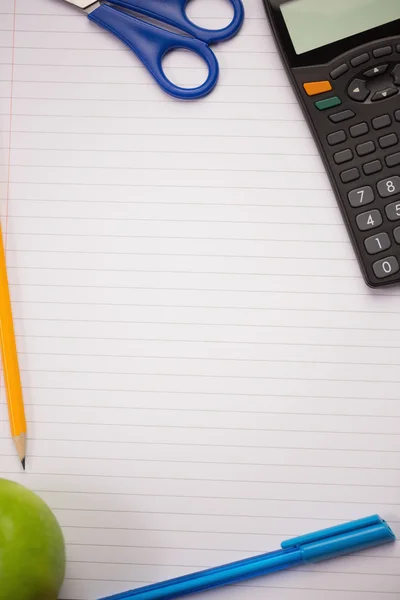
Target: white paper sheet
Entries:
(205, 371)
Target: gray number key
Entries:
(389, 187)
(369, 220)
(361, 196)
(386, 267)
(377, 243)
(393, 211)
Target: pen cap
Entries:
(342, 539)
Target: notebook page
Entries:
(205, 372)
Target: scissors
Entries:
(152, 42)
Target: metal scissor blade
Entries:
(278, 3)
(87, 5)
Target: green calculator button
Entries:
(328, 103)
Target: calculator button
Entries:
(328, 103)
(313, 88)
(393, 160)
(361, 196)
(386, 267)
(372, 167)
(342, 116)
(385, 51)
(339, 71)
(396, 234)
(350, 175)
(358, 90)
(359, 60)
(377, 243)
(366, 148)
(388, 141)
(398, 47)
(393, 211)
(336, 138)
(397, 115)
(396, 75)
(359, 130)
(343, 156)
(384, 94)
(381, 122)
(376, 71)
(369, 220)
(389, 187)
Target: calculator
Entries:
(343, 60)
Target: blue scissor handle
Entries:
(173, 12)
(151, 43)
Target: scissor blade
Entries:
(84, 4)
(277, 3)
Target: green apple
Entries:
(32, 550)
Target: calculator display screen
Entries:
(316, 23)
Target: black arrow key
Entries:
(383, 94)
(396, 75)
(358, 90)
(376, 71)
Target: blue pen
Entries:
(310, 548)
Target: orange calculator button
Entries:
(317, 87)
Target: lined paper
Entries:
(205, 372)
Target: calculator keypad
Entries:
(360, 118)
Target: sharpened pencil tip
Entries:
(20, 445)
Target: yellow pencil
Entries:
(9, 356)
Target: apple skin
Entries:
(32, 548)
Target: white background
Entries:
(205, 371)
